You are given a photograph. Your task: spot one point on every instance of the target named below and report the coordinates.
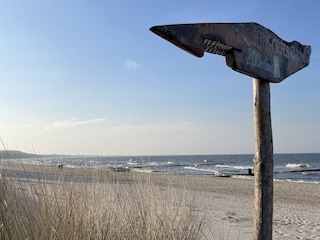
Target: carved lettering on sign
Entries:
(277, 46)
(255, 60)
(268, 55)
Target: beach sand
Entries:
(226, 202)
(229, 203)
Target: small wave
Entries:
(242, 176)
(233, 167)
(209, 161)
(142, 170)
(93, 162)
(132, 163)
(297, 165)
(316, 173)
(154, 164)
(71, 166)
(203, 170)
(296, 181)
(31, 161)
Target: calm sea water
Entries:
(292, 167)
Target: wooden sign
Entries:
(249, 48)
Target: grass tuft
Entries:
(95, 207)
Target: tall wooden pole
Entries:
(263, 162)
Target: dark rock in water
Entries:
(250, 173)
(224, 175)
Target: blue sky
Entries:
(88, 77)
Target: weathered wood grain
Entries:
(262, 162)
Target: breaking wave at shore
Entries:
(291, 167)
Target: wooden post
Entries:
(263, 162)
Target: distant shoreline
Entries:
(16, 154)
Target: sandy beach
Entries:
(226, 202)
(229, 204)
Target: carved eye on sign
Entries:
(249, 48)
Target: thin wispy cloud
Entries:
(131, 65)
(73, 122)
(154, 127)
(113, 30)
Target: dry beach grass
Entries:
(90, 204)
(95, 204)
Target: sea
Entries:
(303, 167)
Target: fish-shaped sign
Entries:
(249, 48)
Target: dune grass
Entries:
(96, 205)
